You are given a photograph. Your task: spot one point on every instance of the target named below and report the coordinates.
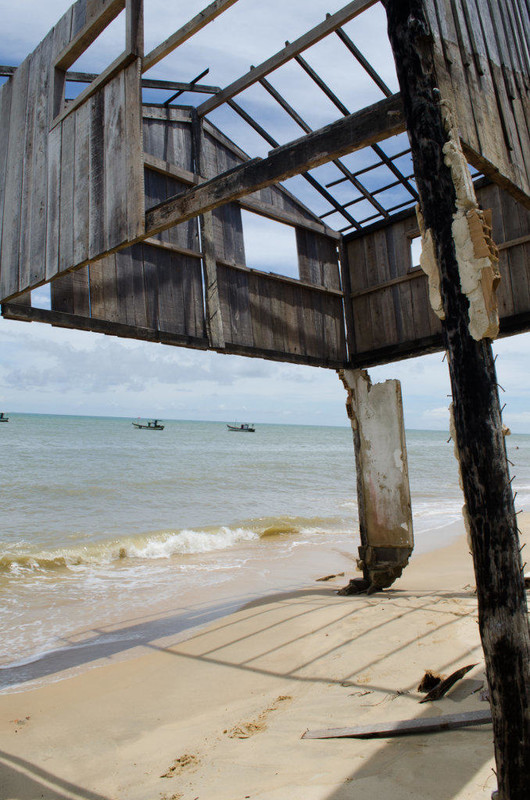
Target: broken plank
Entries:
(404, 727)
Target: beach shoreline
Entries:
(221, 711)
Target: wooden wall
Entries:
(155, 290)
(72, 177)
(482, 53)
(392, 316)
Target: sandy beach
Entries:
(221, 713)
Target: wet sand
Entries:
(220, 714)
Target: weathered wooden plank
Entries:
(62, 295)
(29, 179)
(134, 27)
(58, 319)
(96, 244)
(133, 154)
(317, 259)
(97, 16)
(5, 113)
(207, 15)
(66, 225)
(150, 273)
(37, 210)
(115, 164)
(13, 182)
(53, 217)
(105, 77)
(350, 133)
(313, 36)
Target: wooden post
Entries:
(214, 319)
(503, 614)
(383, 492)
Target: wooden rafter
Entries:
(186, 32)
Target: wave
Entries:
(156, 546)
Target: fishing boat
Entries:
(152, 425)
(3, 417)
(244, 427)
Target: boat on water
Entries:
(3, 417)
(244, 427)
(152, 425)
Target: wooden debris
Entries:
(329, 577)
(429, 681)
(403, 727)
(443, 686)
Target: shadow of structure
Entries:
(22, 780)
(105, 643)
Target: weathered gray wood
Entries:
(311, 37)
(115, 220)
(208, 14)
(372, 124)
(404, 727)
(66, 205)
(134, 27)
(318, 259)
(5, 113)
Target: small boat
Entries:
(152, 425)
(3, 417)
(244, 427)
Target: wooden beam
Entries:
(183, 34)
(119, 64)
(372, 124)
(61, 319)
(479, 438)
(310, 38)
(168, 168)
(89, 34)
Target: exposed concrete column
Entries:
(385, 515)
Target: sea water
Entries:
(112, 535)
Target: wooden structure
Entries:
(133, 211)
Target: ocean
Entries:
(111, 536)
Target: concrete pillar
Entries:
(385, 515)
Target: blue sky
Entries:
(49, 370)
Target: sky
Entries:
(50, 370)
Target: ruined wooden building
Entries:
(132, 210)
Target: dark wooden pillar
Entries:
(503, 615)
